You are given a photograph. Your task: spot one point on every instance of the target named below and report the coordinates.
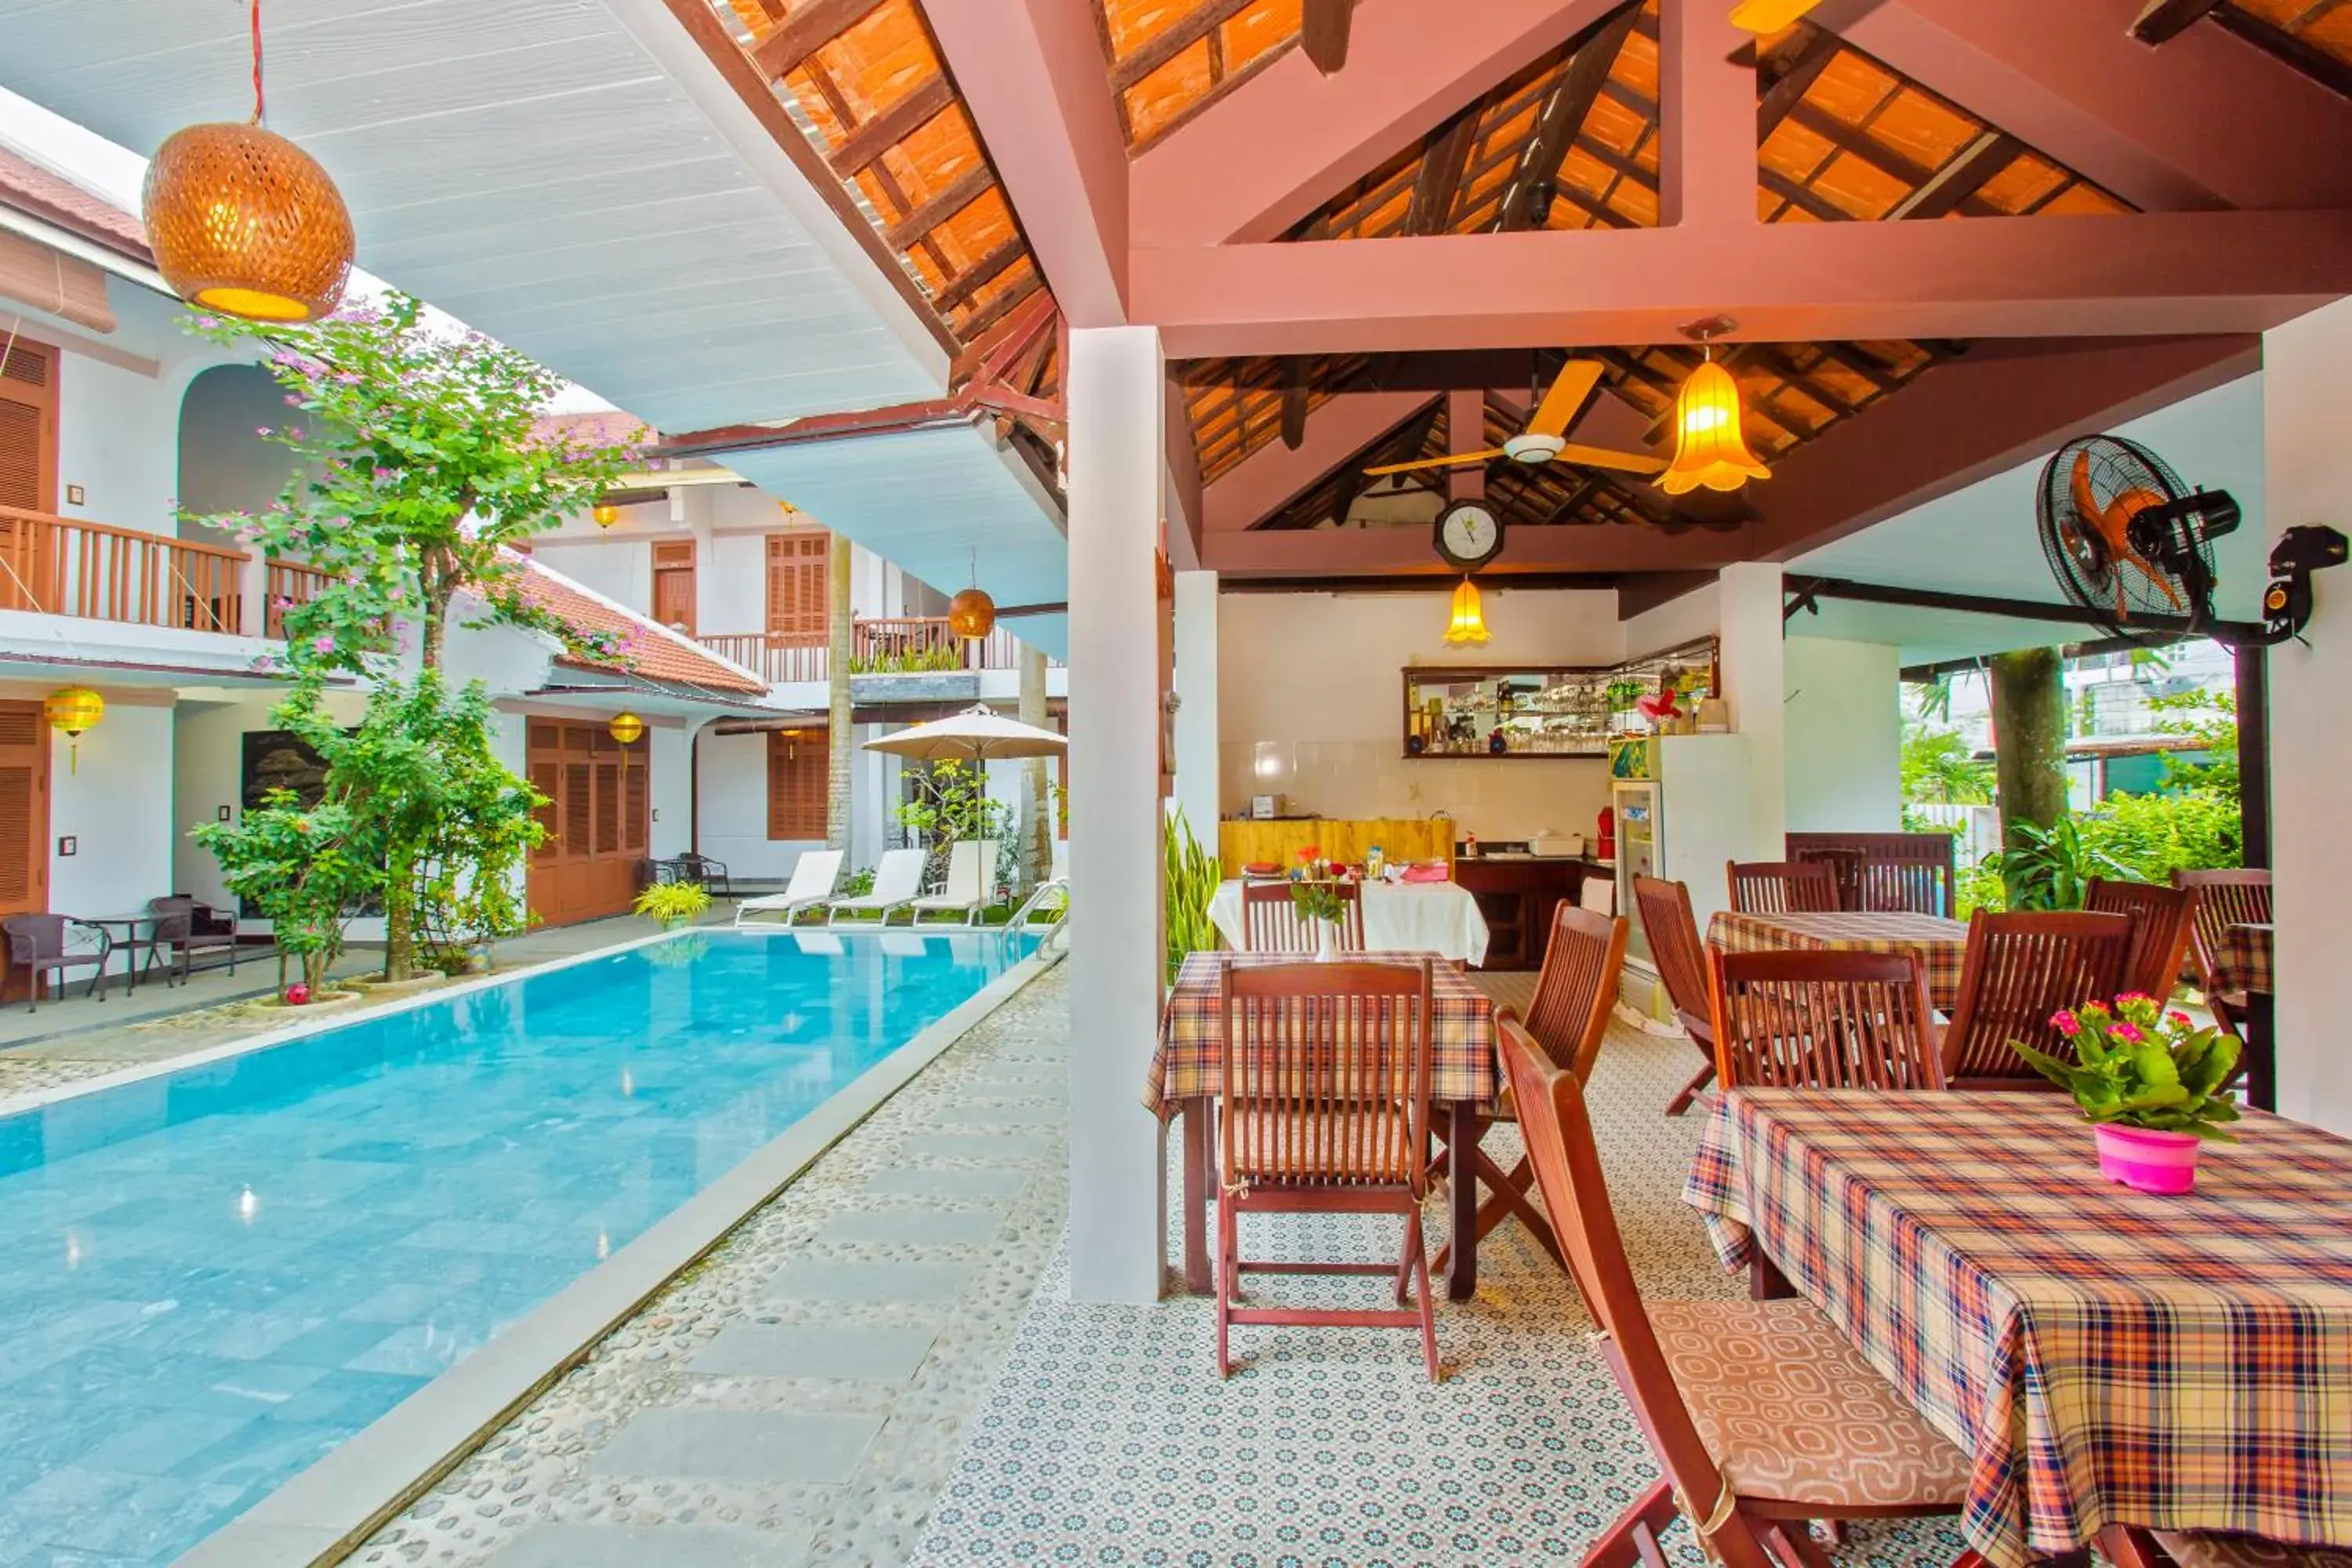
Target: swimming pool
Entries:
(212, 1276)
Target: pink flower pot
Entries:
(2147, 1160)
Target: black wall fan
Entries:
(2134, 546)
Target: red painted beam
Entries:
(1995, 408)
(2152, 274)
(1706, 163)
(1263, 482)
(1032, 77)
(1406, 552)
(2206, 120)
(1283, 141)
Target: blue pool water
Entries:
(209, 1278)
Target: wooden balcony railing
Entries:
(896, 645)
(290, 584)
(70, 566)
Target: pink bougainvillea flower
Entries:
(261, 429)
(323, 643)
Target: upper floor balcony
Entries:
(878, 645)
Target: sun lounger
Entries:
(815, 876)
(896, 882)
(969, 864)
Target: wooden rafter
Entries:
(2163, 20)
(1439, 181)
(1562, 116)
(809, 28)
(1174, 41)
(2293, 43)
(1323, 33)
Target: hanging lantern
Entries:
(73, 710)
(1710, 450)
(605, 514)
(244, 222)
(1467, 628)
(971, 613)
(625, 728)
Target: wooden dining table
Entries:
(2104, 1357)
(1943, 943)
(1187, 1076)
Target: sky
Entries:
(117, 173)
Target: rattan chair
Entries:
(1271, 921)
(2019, 972)
(1782, 888)
(2224, 899)
(37, 945)
(1576, 992)
(173, 940)
(1673, 934)
(2165, 925)
(1825, 1020)
(1324, 1108)
(1761, 1416)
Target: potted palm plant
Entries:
(2149, 1082)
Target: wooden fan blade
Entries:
(1602, 458)
(1574, 384)
(1457, 460)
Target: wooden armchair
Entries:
(1576, 992)
(1324, 1108)
(1782, 888)
(1825, 1020)
(2021, 970)
(1914, 871)
(36, 945)
(2165, 925)
(1673, 934)
(1272, 923)
(2224, 899)
(1761, 1416)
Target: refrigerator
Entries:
(1684, 810)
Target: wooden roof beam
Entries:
(2143, 274)
(1275, 148)
(1274, 475)
(809, 28)
(1439, 182)
(2161, 21)
(2290, 48)
(876, 136)
(1960, 178)
(1561, 117)
(1323, 33)
(1772, 107)
(1167, 44)
(2165, 129)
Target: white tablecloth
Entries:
(1399, 917)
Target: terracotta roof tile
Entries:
(656, 653)
(28, 187)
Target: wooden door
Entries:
(24, 809)
(798, 593)
(674, 584)
(798, 784)
(597, 813)
(28, 469)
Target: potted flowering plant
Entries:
(2149, 1082)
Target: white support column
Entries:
(1196, 713)
(1118, 1212)
(2307, 477)
(253, 594)
(1755, 681)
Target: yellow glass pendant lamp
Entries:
(72, 711)
(1710, 448)
(605, 514)
(244, 222)
(1467, 627)
(625, 728)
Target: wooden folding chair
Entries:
(2224, 899)
(2167, 922)
(1782, 888)
(1825, 1020)
(1576, 992)
(2021, 970)
(1324, 1108)
(1761, 1416)
(1271, 921)
(1673, 934)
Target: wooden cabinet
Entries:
(1518, 897)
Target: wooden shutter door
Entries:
(797, 779)
(797, 563)
(28, 427)
(24, 809)
(674, 584)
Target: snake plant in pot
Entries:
(2150, 1084)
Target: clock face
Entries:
(1469, 534)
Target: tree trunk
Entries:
(1038, 822)
(836, 784)
(399, 917)
(2028, 706)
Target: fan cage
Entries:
(2121, 590)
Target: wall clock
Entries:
(1469, 534)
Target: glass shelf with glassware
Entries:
(1544, 710)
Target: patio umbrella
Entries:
(978, 735)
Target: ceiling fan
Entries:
(1545, 440)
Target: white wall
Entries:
(1844, 715)
(735, 809)
(118, 429)
(2307, 381)
(673, 790)
(205, 748)
(731, 586)
(1311, 704)
(116, 804)
(1679, 620)
(620, 568)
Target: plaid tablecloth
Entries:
(1943, 943)
(2243, 963)
(2105, 1357)
(1461, 1063)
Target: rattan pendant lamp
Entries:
(972, 615)
(245, 223)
